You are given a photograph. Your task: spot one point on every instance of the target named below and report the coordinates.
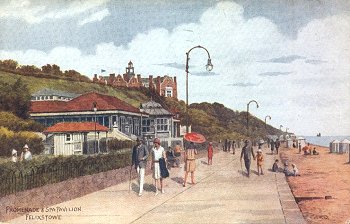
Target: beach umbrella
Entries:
(194, 137)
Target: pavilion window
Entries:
(69, 138)
(162, 124)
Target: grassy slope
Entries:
(133, 97)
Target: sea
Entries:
(324, 140)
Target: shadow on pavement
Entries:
(146, 187)
(178, 180)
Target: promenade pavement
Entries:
(222, 194)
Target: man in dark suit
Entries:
(247, 153)
(139, 159)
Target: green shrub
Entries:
(116, 145)
(46, 170)
(16, 140)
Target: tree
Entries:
(29, 69)
(46, 68)
(15, 98)
(9, 64)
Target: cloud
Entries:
(97, 16)
(284, 59)
(237, 47)
(173, 65)
(241, 84)
(205, 73)
(314, 62)
(274, 73)
(32, 12)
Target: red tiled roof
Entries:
(83, 103)
(75, 127)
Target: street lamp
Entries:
(257, 106)
(267, 116)
(94, 104)
(209, 67)
(141, 110)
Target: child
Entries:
(275, 166)
(295, 170)
(259, 161)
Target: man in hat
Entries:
(247, 153)
(139, 159)
(26, 154)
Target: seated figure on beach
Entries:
(275, 166)
(286, 171)
(314, 152)
(306, 150)
(295, 170)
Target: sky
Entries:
(291, 56)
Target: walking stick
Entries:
(130, 178)
(241, 167)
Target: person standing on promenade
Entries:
(190, 163)
(247, 152)
(178, 150)
(210, 153)
(225, 147)
(233, 147)
(139, 160)
(272, 146)
(277, 145)
(299, 146)
(260, 161)
(158, 152)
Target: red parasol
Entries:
(194, 137)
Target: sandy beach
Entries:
(323, 175)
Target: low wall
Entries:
(52, 194)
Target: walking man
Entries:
(272, 146)
(139, 158)
(277, 145)
(247, 153)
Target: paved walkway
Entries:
(223, 194)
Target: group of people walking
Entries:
(158, 155)
(274, 144)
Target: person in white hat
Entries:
(157, 153)
(26, 154)
(14, 155)
(260, 161)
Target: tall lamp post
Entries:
(257, 106)
(141, 111)
(94, 104)
(209, 67)
(267, 116)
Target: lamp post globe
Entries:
(209, 66)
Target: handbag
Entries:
(164, 173)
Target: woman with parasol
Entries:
(191, 151)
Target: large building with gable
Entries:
(111, 112)
(164, 86)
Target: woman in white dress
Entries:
(157, 153)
